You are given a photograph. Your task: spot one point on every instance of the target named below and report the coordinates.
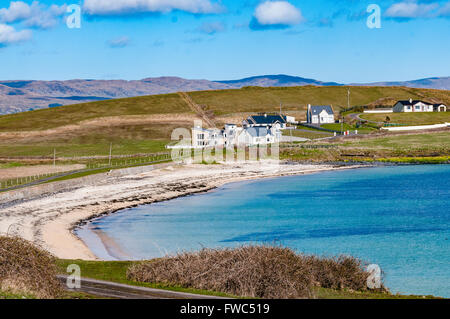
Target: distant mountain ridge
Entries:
(22, 95)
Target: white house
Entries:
(412, 106)
(320, 114)
(234, 135)
(258, 136)
(206, 137)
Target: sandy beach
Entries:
(49, 220)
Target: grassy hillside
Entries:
(255, 99)
(71, 114)
(225, 102)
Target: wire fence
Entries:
(91, 167)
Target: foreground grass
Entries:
(115, 271)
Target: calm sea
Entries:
(397, 217)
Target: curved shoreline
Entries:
(50, 221)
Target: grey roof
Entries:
(439, 104)
(266, 119)
(408, 102)
(258, 131)
(317, 109)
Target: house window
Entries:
(200, 136)
(417, 107)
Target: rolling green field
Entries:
(424, 118)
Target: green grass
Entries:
(347, 127)
(75, 148)
(11, 165)
(10, 295)
(408, 148)
(424, 118)
(115, 271)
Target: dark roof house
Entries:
(265, 120)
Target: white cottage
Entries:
(258, 136)
(320, 114)
(412, 106)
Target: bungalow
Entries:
(412, 106)
(266, 120)
(319, 114)
(258, 136)
(439, 108)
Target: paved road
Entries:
(113, 290)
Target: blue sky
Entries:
(221, 40)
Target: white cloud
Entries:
(9, 35)
(277, 13)
(212, 27)
(121, 42)
(35, 15)
(121, 7)
(410, 9)
(17, 11)
(444, 11)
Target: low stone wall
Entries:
(378, 111)
(56, 187)
(416, 128)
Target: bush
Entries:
(253, 271)
(26, 269)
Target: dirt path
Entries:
(197, 109)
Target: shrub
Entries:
(253, 271)
(27, 269)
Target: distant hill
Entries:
(442, 83)
(19, 96)
(276, 80)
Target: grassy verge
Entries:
(116, 271)
(423, 148)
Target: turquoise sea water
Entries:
(397, 217)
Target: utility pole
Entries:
(280, 107)
(110, 153)
(54, 157)
(348, 99)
